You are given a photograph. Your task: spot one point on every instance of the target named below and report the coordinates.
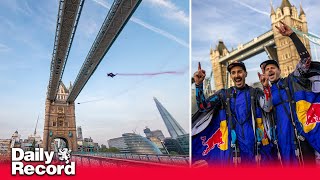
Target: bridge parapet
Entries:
(129, 160)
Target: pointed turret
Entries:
(70, 86)
(272, 10)
(220, 47)
(301, 11)
(285, 3)
(35, 129)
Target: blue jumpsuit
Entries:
(240, 106)
(285, 112)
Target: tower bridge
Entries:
(274, 44)
(60, 120)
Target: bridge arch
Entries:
(57, 142)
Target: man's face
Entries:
(273, 72)
(238, 75)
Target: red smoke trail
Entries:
(149, 74)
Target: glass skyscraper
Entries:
(172, 125)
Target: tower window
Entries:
(60, 110)
(60, 123)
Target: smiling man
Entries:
(239, 115)
(293, 105)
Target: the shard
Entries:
(172, 125)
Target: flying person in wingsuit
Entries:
(111, 75)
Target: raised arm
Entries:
(265, 95)
(203, 103)
(305, 59)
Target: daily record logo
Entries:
(39, 155)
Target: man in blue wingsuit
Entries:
(296, 108)
(230, 119)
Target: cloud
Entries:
(171, 11)
(90, 28)
(102, 3)
(4, 48)
(26, 8)
(160, 31)
(19, 6)
(203, 58)
(252, 8)
(149, 26)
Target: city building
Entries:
(156, 133)
(26, 146)
(79, 133)
(183, 141)
(85, 144)
(5, 146)
(157, 138)
(134, 143)
(140, 145)
(119, 144)
(173, 146)
(88, 145)
(172, 125)
(96, 147)
(15, 140)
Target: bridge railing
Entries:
(163, 159)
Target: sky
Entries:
(155, 39)
(237, 22)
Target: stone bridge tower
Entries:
(219, 70)
(60, 121)
(288, 56)
(286, 53)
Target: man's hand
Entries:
(199, 75)
(263, 79)
(284, 29)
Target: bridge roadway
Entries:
(128, 160)
(251, 48)
(67, 21)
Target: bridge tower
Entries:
(288, 56)
(60, 120)
(285, 52)
(219, 69)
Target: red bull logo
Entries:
(215, 139)
(313, 114)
